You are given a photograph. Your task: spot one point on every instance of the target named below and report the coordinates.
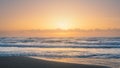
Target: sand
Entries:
(27, 62)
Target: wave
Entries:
(93, 42)
(59, 46)
(93, 47)
(54, 55)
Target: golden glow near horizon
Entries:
(63, 25)
(59, 14)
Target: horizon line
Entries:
(76, 29)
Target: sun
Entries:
(63, 25)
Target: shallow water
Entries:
(113, 63)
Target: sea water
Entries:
(86, 50)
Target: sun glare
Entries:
(63, 25)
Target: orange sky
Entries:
(59, 14)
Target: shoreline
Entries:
(27, 62)
(113, 63)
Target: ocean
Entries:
(99, 50)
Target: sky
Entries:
(53, 14)
(59, 14)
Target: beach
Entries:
(27, 62)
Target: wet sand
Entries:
(27, 62)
